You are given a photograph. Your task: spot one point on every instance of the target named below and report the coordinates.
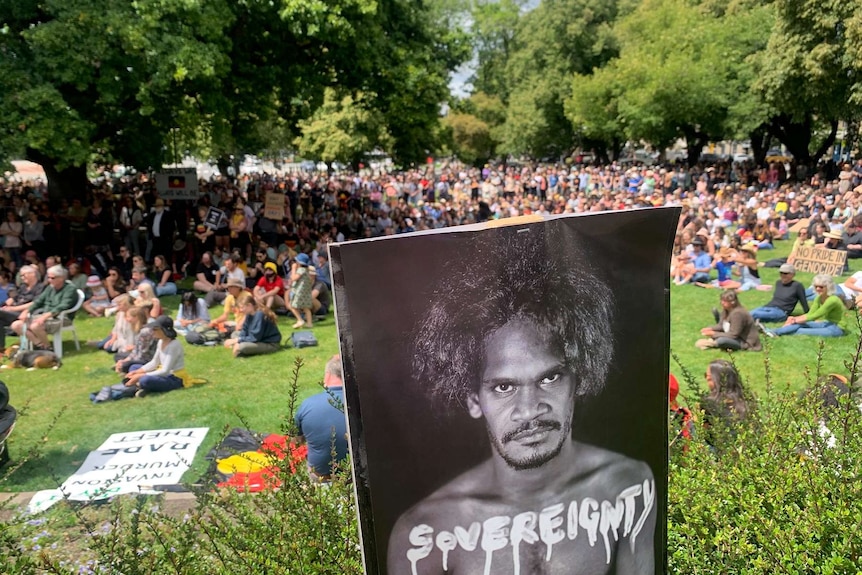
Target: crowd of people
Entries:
(126, 246)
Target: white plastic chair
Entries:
(67, 324)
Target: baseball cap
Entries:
(787, 269)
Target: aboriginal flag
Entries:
(176, 182)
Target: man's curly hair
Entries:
(514, 273)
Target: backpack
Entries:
(300, 339)
(204, 335)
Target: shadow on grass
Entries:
(52, 467)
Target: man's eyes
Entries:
(551, 379)
(504, 388)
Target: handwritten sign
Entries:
(273, 207)
(130, 462)
(177, 183)
(819, 260)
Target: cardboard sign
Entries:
(523, 368)
(801, 224)
(273, 207)
(177, 183)
(819, 260)
(213, 218)
(130, 462)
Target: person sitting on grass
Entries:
(724, 406)
(259, 334)
(735, 329)
(723, 264)
(825, 318)
(193, 311)
(788, 292)
(232, 318)
(164, 277)
(167, 370)
(683, 269)
(144, 347)
(145, 296)
(121, 338)
(99, 300)
(269, 291)
(748, 268)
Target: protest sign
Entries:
(129, 462)
(213, 218)
(177, 183)
(817, 260)
(801, 224)
(273, 207)
(519, 421)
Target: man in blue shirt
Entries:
(702, 262)
(321, 423)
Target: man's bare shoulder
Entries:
(614, 469)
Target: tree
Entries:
(109, 78)
(474, 125)
(682, 72)
(343, 129)
(210, 75)
(808, 74)
(557, 39)
(493, 32)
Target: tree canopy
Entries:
(114, 80)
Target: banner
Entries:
(819, 260)
(518, 423)
(129, 462)
(273, 207)
(177, 183)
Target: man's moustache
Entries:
(531, 426)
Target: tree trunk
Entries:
(796, 136)
(69, 183)
(760, 139)
(695, 140)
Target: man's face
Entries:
(527, 405)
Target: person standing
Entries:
(320, 422)
(160, 231)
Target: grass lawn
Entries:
(59, 424)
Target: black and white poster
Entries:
(214, 217)
(506, 391)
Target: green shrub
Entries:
(775, 497)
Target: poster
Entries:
(818, 260)
(177, 183)
(273, 207)
(506, 393)
(129, 462)
(214, 217)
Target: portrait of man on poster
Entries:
(521, 340)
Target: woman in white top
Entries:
(167, 370)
